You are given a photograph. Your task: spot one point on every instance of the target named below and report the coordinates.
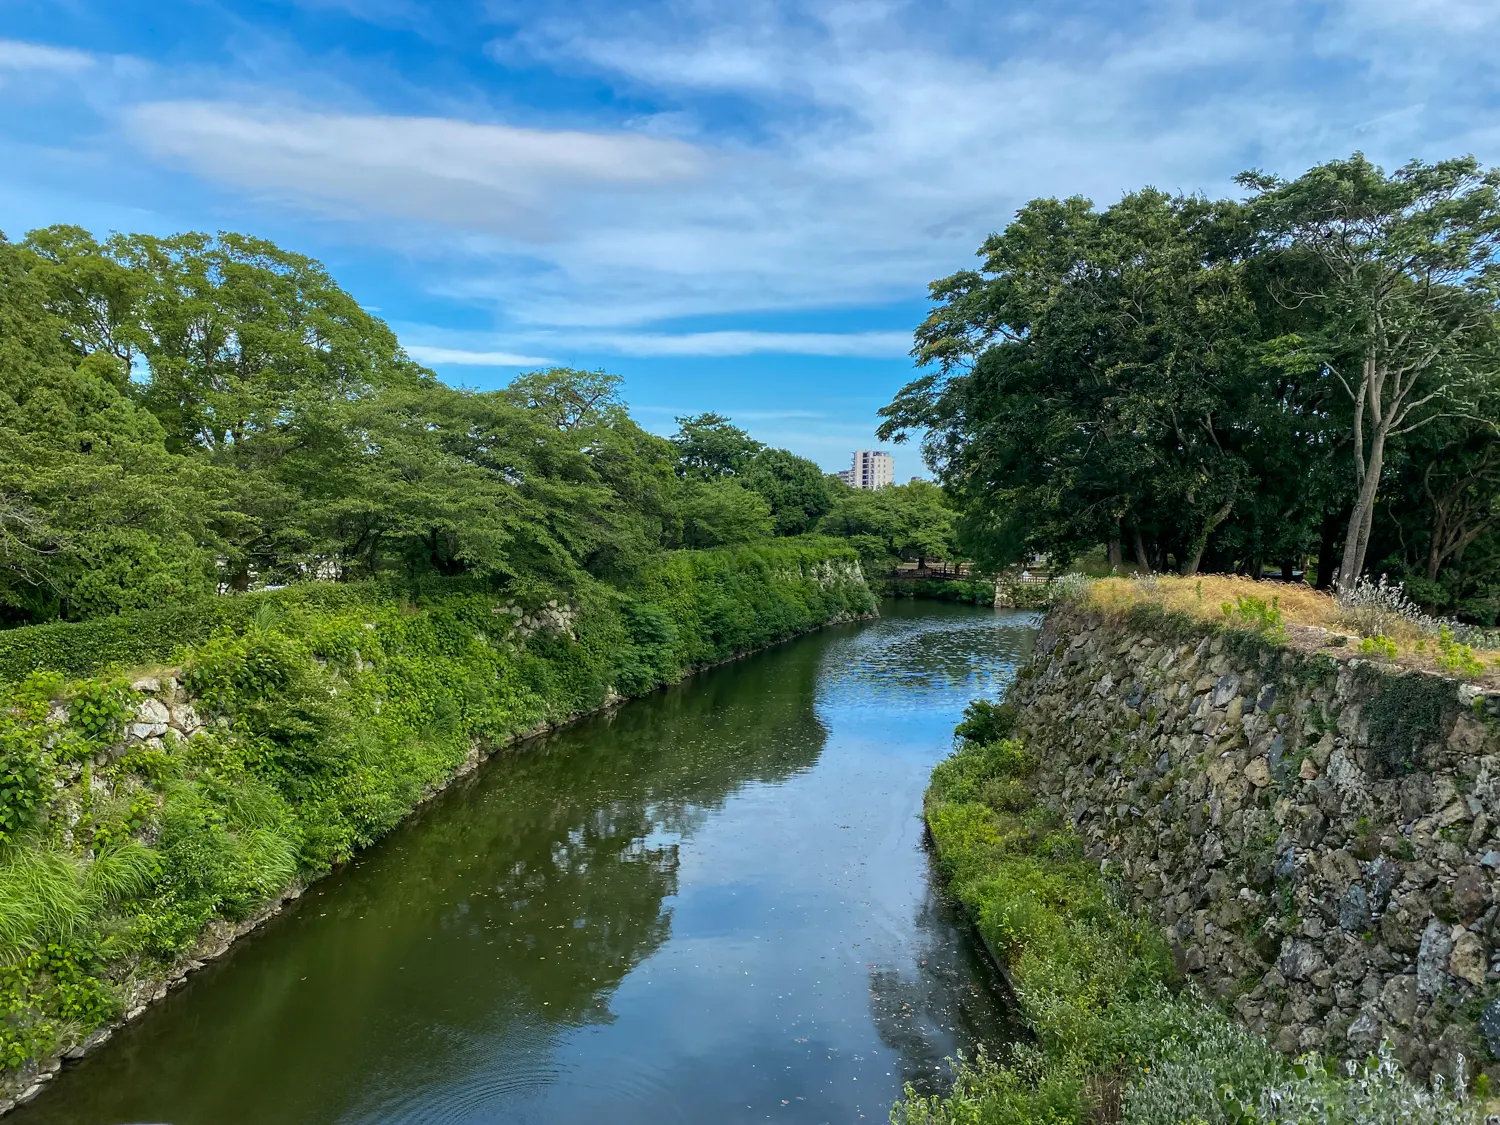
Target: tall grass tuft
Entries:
(48, 896)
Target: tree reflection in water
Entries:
(660, 914)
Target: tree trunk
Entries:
(1357, 541)
(1200, 542)
(1435, 553)
(1140, 549)
(1327, 544)
(1116, 556)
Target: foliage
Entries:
(1305, 378)
(985, 722)
(717, 513)
(327, 721)
(904, 521)
(1201, 1077)
(1086, 382)
(1402, 272)
(189, 415)
(712, 452)
(1378, 646)
(1371, 608)
(1455, 657)
(973, 591)
(157, 636)
(1255, 614)
(1040, 595)
(1384, 609)
(95, 515)
(710, 446)
(794, 488)
(1114, 1036)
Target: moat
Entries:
(710, 905)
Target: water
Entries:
(712, 905)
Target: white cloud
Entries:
(482, 177)
(15, 55)
(460, 357)
(477, 349)
(806, 154)
(391, 12)
(730, 343)
(1443, 16)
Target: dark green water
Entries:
(712, 905)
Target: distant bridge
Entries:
(930, 568)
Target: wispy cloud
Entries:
(15, 55)
(459, 357)
(731, 343)
(799, 154)
(475, 176)
(868, 345)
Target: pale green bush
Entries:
(1186, 1083)
(1374, 1092)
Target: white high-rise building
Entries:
(871, 469)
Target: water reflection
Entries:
(711, 903)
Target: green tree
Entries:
(794, 487)
(912, 521)
(718, 513)
(1089, 382)
(1406, 276)
(96, 516)
(569, 398)
(92, 292)
(235, 328)
(710, 446)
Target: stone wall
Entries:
(1318, 834)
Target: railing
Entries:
(933, 569)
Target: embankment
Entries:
(163, 792)
(1318, 835)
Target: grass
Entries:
(1297, 614)
(327, 720)
(1116, 1036)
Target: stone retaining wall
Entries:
(1318, 834)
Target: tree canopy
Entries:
(910, 521)
(1306, 375)
(198, 413)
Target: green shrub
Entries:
(1378, 646)
(1457, 657)
(98, 709)
(332, 712)
(1371, 1092)
(984, 721)
(1250, 612)
(1025, 1090)
(1201, 1073)
(1115, 1037)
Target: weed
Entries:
(1457, 657)
(1111, 1040)
(1256, 614)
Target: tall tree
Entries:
(710, 446)
(1406, 274)
(95, 296)
(1089, 382)
(96, 516)
(794, 487)
(912, 521)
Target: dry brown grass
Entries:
(1206, 594)
(1312, 618)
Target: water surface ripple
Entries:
(711, 905)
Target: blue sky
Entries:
(736, 205)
